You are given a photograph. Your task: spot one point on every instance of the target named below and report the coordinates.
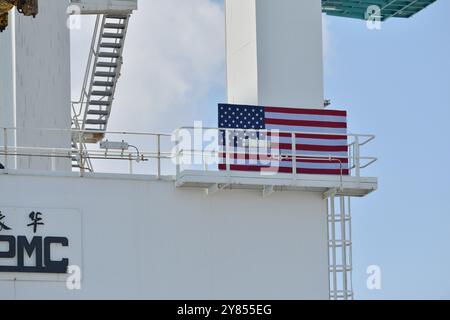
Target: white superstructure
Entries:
(274, 53)
(177, 232)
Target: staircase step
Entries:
(98, 112)
(105, 74)
(114, 26)
(108, 35)
(103, 83)
(108, 55)
(102, 64)
(117, 16)
(99, 103)
(101, 93)
(94, 131)
(96, 121)
(111, 45)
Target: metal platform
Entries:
(177, 156)
(215, 181)
(389, 8)
(105, 6)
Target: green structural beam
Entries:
(389, 8)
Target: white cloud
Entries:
(327, 41)
(174, 55)
(326, 35)
(329, 47)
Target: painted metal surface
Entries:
(37, 81)
(195, 164)
(274, 53)
(144, 238)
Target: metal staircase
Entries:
(92, 111)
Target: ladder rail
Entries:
(340, 257)
(76, 147)
(99, 86)
(91, 85)
(118, 69)
(82, 102)
(89, 62)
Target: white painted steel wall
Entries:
(146, 239)
(274, 52)
(40, 61)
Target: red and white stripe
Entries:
(320, 138)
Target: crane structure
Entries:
(274, 56)
(91, 113)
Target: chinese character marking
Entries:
(2, 225)
(36, 220)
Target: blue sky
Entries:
(395, 83)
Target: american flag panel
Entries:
(261, 139)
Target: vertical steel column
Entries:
(357, 157)
(159, 156)
(5, 146)
(228, 150)
(343, 247)
(294, 154)
(332, 215)
(350, 251)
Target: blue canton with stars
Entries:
(243, 117)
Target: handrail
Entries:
(141, 133)
(360, 140)
(176, 153)
(89, 63)
(95, 55)
(84, 96)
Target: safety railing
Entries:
(209, 159)
(141, 150)
(79, 107)
(187, 148)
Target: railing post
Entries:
(177, 154)
(54, 152)
(159, 156)
(228, 150)
(130, 157)
(205, 161)
(344, 247)
(5, 146)
(294, 154)
(80, 142)
(357, 157)
(332, 214)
